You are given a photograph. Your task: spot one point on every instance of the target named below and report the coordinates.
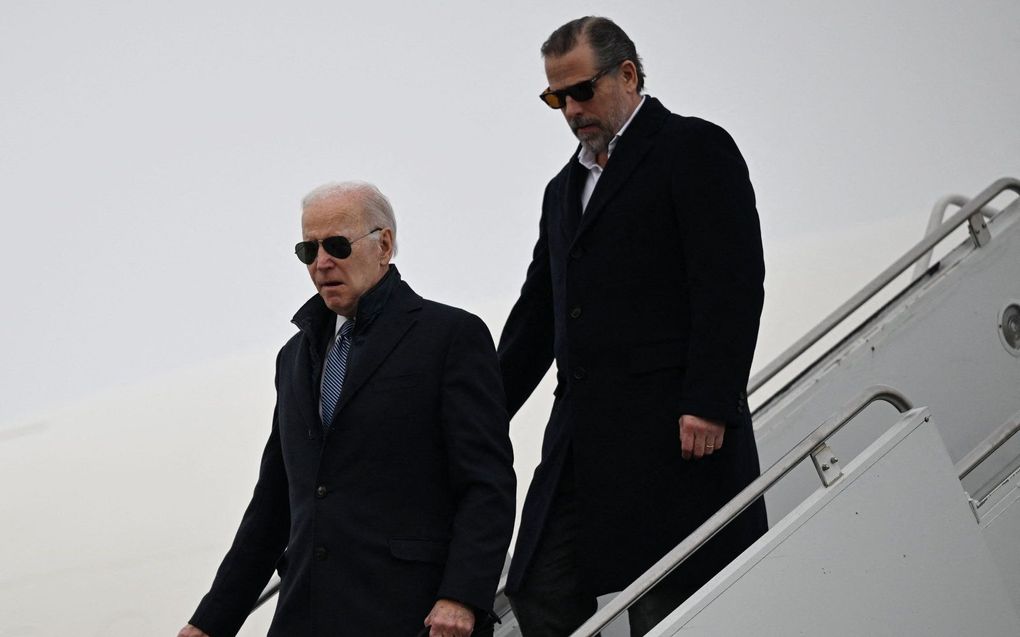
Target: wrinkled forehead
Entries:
(331, 216)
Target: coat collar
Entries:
(385, 314)
(313, 317)
(633, 145)
(376, 339)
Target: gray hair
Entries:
(377, 212)
(610, 44)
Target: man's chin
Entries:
(335, 303)
(595, 147)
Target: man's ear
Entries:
(629, 73)
(385, 245)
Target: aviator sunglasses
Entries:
(580, 92)
(337, 247)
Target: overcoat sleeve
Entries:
(725, 269)
(476, 433)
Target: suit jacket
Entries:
(649, 304)
(406, 498)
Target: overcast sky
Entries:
(153, 155)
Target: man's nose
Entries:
(323, 259)
(571, 107)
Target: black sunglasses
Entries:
(337, 247)
(580, 92)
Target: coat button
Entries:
(580, 373)
(321, 553)
(575, 313)
(320, 492)
(577, 253)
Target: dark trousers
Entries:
(552, 601)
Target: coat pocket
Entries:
(433, 551)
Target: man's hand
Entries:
(450, 619)
(191, 631)
(699, 437)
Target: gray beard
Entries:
(598, 143)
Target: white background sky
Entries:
(152, 160)
(154, 154)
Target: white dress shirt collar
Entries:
(340, 320)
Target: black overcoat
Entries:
(649, 303)
(409, 496)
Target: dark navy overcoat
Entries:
(649, 305)
(407, 497)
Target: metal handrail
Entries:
(938, 213)
(971, 211)
(978, 455)
(502, 603)
(806, 447)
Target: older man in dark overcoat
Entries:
(386, 493)
(645, 287)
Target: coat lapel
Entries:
(627, 155)
(571, 204)
(315, 320)
(381, 338)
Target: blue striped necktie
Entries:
(333, 373)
